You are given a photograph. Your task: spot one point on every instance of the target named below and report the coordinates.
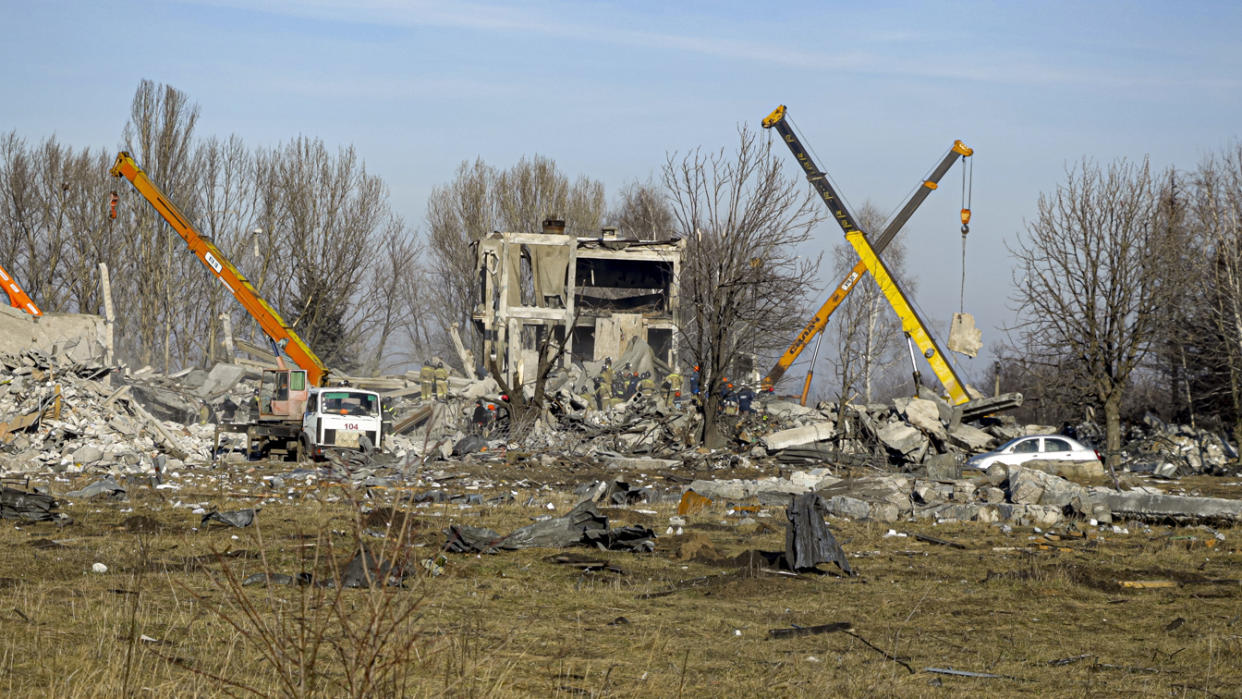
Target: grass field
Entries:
(1047, 614)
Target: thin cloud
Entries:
(548, 21)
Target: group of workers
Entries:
(613, 388)
(433, 378)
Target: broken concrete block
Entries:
(986, 514)
(815, 479)
(964, 337)
(970, 438)
(1152, 505)
(1160, 469)
(997, 474)
(221, 378)
(636, 463)
(884, 512)
(890, 490)
(924, 415)
(963, 491)
(847, 507)
(88, 454)
(1028, 515)
(942, 467)
(990, 494)
(787, 409)
(814, 432)
(1072, 470)
(902, 438)
(1043, 515)
(932, 493)
(1033, 487)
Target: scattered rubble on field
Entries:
(108, 430)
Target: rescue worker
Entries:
(672, 388)
(694, 381)
(727, 398)
(441, 376)
(479, 419)
(606, 374)
(744, 399)
(427, 380)
(603, 393)
(646, 385)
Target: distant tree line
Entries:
(1127, 284)
(311, 229)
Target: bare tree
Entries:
(225, 202)
(535, 188)
(393, 294)
(159, 134)
(329, 215)
(1217, 213)
(643, 212)
(1090, 278)
(458, 214)
(743, 281)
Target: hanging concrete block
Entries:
(964, 337)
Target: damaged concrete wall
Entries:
(78, 336)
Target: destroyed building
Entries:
(604, 291)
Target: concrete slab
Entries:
(798, 436)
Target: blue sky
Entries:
(878, 90)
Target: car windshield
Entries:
(357, 403)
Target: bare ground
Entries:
(1044, 614)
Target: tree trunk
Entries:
(713, 437)
(1112, 431)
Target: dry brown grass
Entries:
(518, 624)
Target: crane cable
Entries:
(968, 186)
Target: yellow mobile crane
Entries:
(819, 321)
(869, 261)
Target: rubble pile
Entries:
(1168, 450)
(1013, 495)
(68, 414)
(65, 416)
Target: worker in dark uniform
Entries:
(744, 399)
(694, 381)
(480, 418)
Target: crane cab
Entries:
(283, 394)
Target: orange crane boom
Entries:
(273, 325)
(18, 298)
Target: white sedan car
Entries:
(1044, 447)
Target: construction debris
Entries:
(27, 507)
(808, 541)
(583, 526)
